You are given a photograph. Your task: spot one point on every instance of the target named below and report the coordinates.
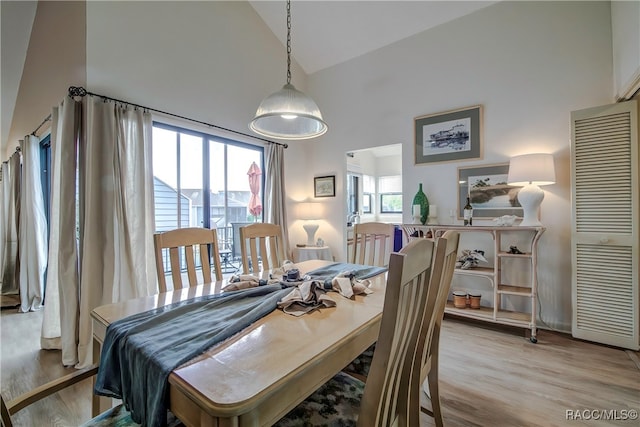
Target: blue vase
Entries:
(421, 199)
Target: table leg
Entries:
(99, 404)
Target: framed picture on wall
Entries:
(449, 136)
(324, 186)
(487, 188)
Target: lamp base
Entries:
(530, 197)
(311, 232)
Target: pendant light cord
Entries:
(288, 41)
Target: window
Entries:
(368, 188)
(201, 180)
(45, 175)
(391, 203)
(366, 203)
(390, 189)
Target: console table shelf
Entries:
(495, 274)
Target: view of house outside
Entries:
(193, 189)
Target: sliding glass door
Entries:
(202, 180)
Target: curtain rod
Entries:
(80, 91)
(46, 119)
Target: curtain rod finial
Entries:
(77, 91)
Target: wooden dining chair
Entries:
(117, 416)
(391, 395)
(444, 261)
(184, 245)
(261, 243)
(444, 265)
(372, 243)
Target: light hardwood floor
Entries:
(488, 378)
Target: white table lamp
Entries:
(310, 212)
(531, 171)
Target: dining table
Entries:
(258, 375)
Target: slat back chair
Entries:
(11, 407)
(391, 395)
(187, 243)
(116, 416)
(261, 242)
(373, 243)
(392, 392)
(444, 264)
(444, 260)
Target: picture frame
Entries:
(487, 188)
(324, 186)
(449, 136)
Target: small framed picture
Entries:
(487, 188)
(324, 186)
(449, 136)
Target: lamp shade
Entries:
(309, 211)
(537, 168)
(288, 114)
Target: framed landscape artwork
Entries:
(324, 186)
(487, 187)
(449, 136)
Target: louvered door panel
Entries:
(605, 225)
(603, 164)
(604, 290)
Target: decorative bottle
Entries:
(421, 200)
(468, 213)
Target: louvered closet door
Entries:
(605, 249)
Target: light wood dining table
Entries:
(257, 376)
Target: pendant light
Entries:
(288, 113)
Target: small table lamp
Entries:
(310, 212)
(531, 171)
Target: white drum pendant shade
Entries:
(288, 114)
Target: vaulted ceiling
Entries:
(324, 33)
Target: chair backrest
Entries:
(373, 243)
(392, 391)
(195, 242)
(261, 242)
(444, 264)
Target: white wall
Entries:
(16, 22)
(528, 63)
(54, 61)
(212, 61)
(625, 20)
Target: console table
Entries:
(494, 272)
